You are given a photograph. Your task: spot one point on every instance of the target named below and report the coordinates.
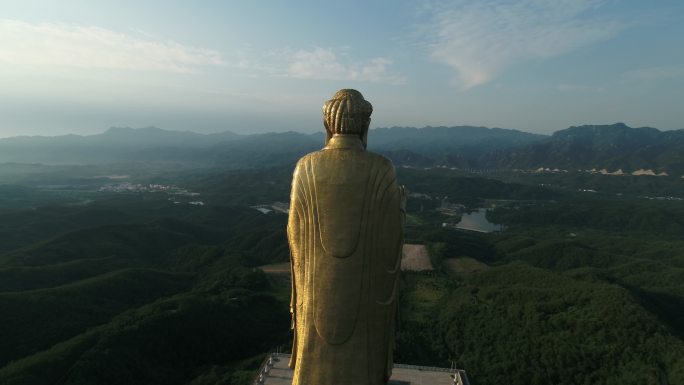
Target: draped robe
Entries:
(345, 232)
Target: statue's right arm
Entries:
(294, 241)
(294, 222)
(294, 218)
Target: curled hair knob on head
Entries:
(347, 113)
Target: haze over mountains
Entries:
(612, 147)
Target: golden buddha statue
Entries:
(345, 232)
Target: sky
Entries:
(206, 66)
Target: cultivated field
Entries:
(415, 258)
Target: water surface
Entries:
(477, 221)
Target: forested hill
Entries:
(612, 147)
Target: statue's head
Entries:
(347, 113)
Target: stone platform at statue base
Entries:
(274, 371)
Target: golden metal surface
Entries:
(345, 232)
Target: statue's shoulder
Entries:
(380, 159)
(307, 160)
(376, 158)
(309, 157)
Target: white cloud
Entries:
(656, 73)
(320, 64)
(58, 44)
(480, 40)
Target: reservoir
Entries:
(477, 221)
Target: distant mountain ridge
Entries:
(459, 146)
(396, 138)
(126, 136)
(613, 147)
(118, 144)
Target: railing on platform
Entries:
(460, 377)
(267, 365)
